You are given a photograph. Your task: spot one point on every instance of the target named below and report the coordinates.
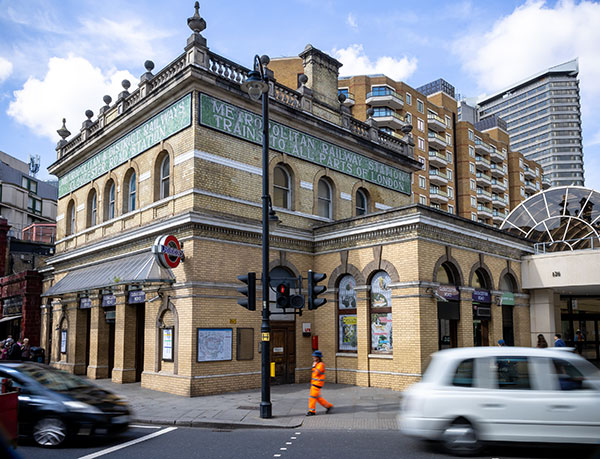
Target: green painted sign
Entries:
(507, 299)
(246, 125)
(172, 119)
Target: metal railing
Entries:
(587, 243)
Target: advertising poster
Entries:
(348, 341)
(167, 344)
(214, 344)
(347, 293)
(381, 332)
(381, 294)
(63, 341)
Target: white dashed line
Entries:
(282, 449)
(292, 438)
(144, 427)
(276, 455)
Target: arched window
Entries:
(109, 207)
(448, 305)
(361, 202)
(165, 174)
(129, 191)
(324, 199)
(481, 298)
(281, 187)
(71, 218)
(381, 313)
(508, 285)
(347, 332)
(92, 214)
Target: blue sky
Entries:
(59, 58)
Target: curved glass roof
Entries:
(560, 218)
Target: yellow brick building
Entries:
(179, 158)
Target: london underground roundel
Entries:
(168, 250)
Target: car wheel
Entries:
(460, 438)
(49, 432)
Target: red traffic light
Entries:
(283, 289)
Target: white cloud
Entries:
(6, 68)
(533, 37)
(356, 62)
(351, 21)
(70, 87)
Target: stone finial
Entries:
(107, 100)
(370, 112)
(302, 79)
(149, 66)
(196, 23)
(87, 123)
(63, 131)
(126, 84)
(342, 97)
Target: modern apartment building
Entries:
(468, 168)
(26, 201)
(543, 118)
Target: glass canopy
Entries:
(560, 218)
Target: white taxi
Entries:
(472, 395)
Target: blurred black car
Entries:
(55, 405)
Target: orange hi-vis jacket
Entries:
(318, 375)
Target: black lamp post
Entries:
(257, 85)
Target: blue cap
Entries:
(318, 354)
(501, 341)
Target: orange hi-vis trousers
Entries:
(316, 383)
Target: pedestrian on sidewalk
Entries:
(558, 342)
(316, 384)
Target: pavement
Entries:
(355, 408)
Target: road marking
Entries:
(129, 443)
(288, 442)
(282, 449)
(144, 427)
(297, 433)
(276, 455)
(292, 438)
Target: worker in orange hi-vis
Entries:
(316, 384)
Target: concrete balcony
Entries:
(497, 202)
(498, 216)
(482, 147)
(529, 173)
(436, 141)
(438, 196)
(530, 186)
(497, 156)
(437, 177)
(482, 163)
(498, 185)
(483, 179)
(498, 170)
(484, 211)
(386, 98)
(435, 123)
(389, 118)
(437, 159)
(484, 196)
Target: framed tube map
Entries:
(215, 344)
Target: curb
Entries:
(215, 424)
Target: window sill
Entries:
(381, 356)
(346, 354)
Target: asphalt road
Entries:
(147, 442)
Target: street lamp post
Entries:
(257, 84)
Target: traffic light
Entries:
(314, 290)
(283, 295)
(285, 299)
(249, 291)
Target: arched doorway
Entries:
(448, 305)
(482, 300)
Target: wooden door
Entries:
(283, 352)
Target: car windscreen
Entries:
(55, 379)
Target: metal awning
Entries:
(7, 318)
(131, 269)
